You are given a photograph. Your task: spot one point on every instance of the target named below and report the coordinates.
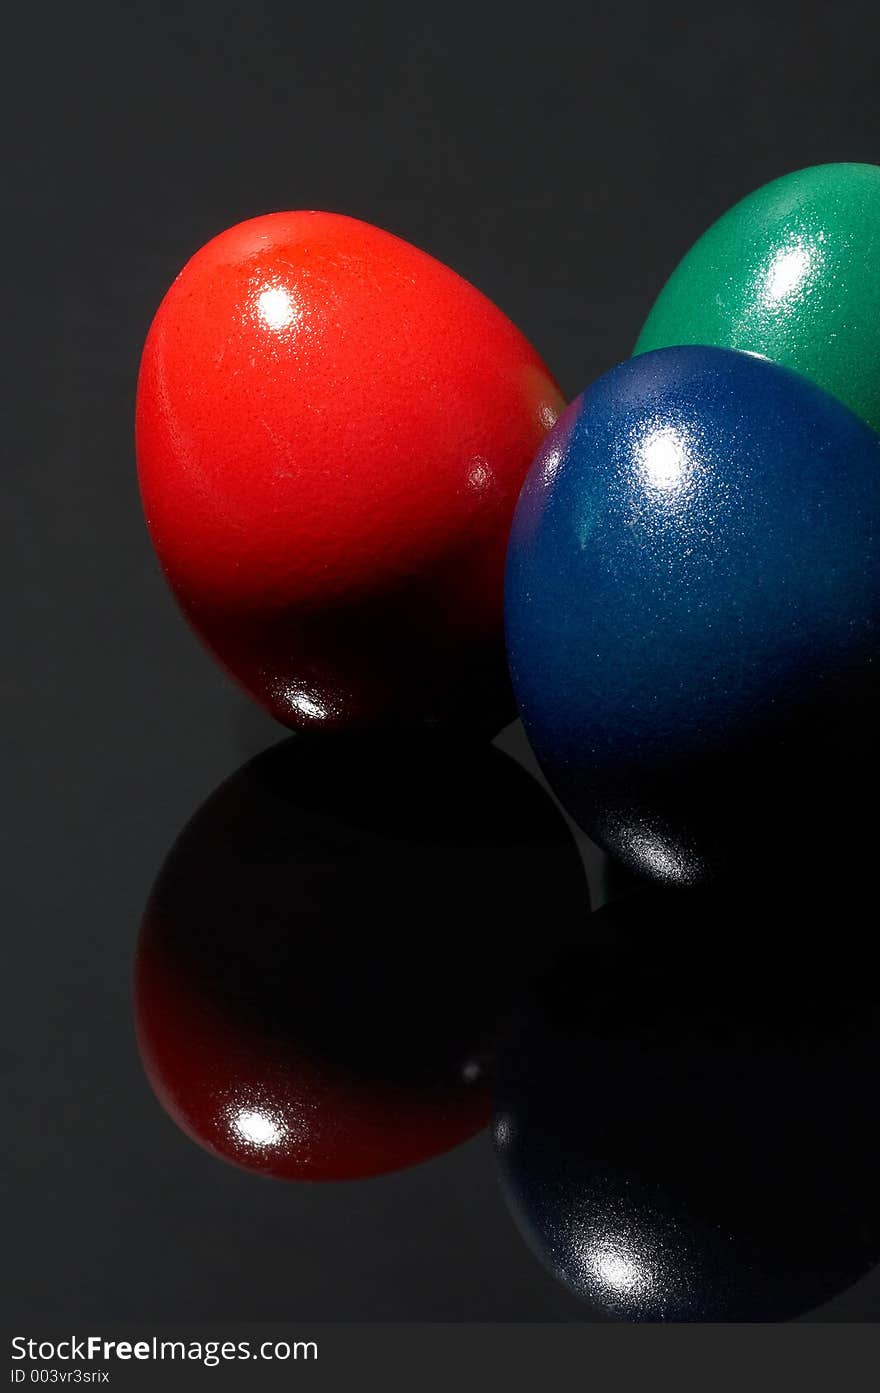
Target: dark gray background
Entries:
(560, 157)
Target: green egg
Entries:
(793, 273)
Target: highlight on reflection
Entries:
(616, 1266)
(658, 857)
(306, 935)
(306, 703)
(307, 700)
(503, 1132)
(256, 1128)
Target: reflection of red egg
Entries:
(332, 431)
(266, 1103)
(331, 947)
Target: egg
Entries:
(686, 1121)
(332, 429)
(329, 950)
(791, 272)
(692, 600)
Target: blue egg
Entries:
(692, 593)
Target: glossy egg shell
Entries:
(329, 950)
(687, 1123)
(792, 272)
(692, 601)
(332, 429)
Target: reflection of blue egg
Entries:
(686, 1121)
(692, 594)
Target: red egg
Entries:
(332, 430)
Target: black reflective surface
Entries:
(562, 166)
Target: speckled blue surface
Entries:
(691, 602)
